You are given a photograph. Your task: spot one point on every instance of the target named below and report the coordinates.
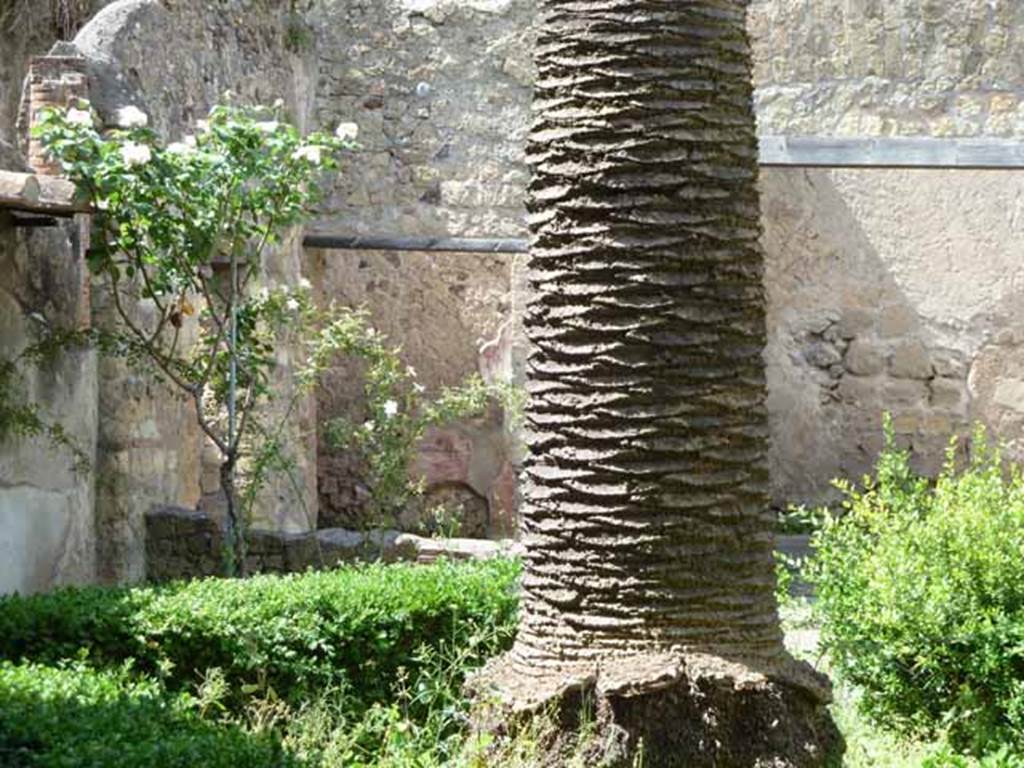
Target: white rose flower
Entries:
(202, 126)
(278, 103)
(268, 126)
(390, 408)
(79, 117)
(305, 285)
(347, 131)
(179, 148)
(131, 117)
(135, 154)
(292, 305)
(310, 153)
(189, 141)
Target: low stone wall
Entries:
(185, 543)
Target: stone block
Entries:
(906, 423)
(340, 545)
(900, 394)
(859, 392)
(821, 354)
(864, 358)
(949, 363)
(947, 394)
(910, 360)
(301, 551)
(393, 546)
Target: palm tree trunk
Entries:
(648, 570)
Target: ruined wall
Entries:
(29, 28)
(899, 67)
(895, 290)
(46, 506)
(889, 290)
(174, 60)
(441, 93)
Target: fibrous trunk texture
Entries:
(646, 522)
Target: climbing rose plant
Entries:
(399, 413)
(180, 234)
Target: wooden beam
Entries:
(39, 194)
(840, 152)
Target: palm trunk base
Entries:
(660, 711)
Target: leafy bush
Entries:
(57, 717)
(920, 587)
(284, 636)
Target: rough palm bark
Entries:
(649, 576)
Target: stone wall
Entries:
(46, 507)
(29, 28)
(184, 543)
(888, 290)
(895, 290)
(174, 60)
(892, 290)
(441, 93)
(899, 67)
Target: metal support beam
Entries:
(924, 153)
(774, 152)
(403, 243)
(33, 222)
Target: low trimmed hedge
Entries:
(76, 717)
(297, 634)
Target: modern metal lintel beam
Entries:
(922, 153)
(403, 243)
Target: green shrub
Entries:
(74, 716)
(287, 636)
(920, 589)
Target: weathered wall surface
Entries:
(46, 508)
(889, 290)
(29, 28)
(441, 93)
(174, 60)
(895, 290)
(900, 67)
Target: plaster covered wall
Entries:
(888, 290)
(174, 60)
(441, 94)
(47, 535)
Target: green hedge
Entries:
(920, 588)
(77, 717)
(295, 634)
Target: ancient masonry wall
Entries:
(901, 289)
(895, 290)
(173, 59)
(440, 92)
(888, 290)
